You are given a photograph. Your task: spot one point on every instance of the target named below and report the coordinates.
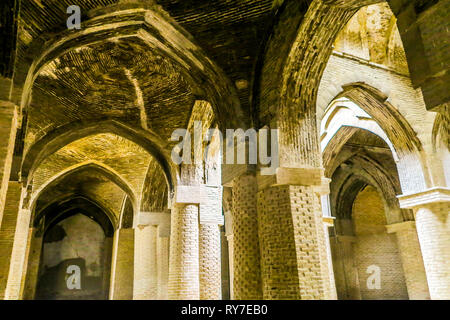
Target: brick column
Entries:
(7, 232)
(122, 273)
(34, 257)
(152, 255)
(245, 243)
(145, 263)
(8, 128)
(229, 236)
(328, 222)
(431, 210)
(209, 268)
(294, 263)
(183, 257)
(22, 235)
(210, 220)
(345, 272)
(162, 252)
(412, 261)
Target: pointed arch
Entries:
(103, 169)
(64, 135)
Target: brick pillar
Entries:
(245, 243)
(183, 258)
(294, 262)
(8, 128)
(145, 263)
(345, 272)
(34, 258)
(210, 220)
(209, 268)
(431, 210)
(412, 261)
(19, 255)
(225, 266)
(152, 255)
(162, 252)
(328, 222)
(8, 231)
(122, 273)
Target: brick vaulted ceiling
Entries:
(125, 80)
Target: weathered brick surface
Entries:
(433, 229)
(209, 268)
(293, 250)
(8, 231)
(246, 255)
(123, 265)
(145, 263)
(8, 128)
(162, 249)
(375, 247)
(412, 261)
(184, 253)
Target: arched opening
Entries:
(368, 260)
(75, 260)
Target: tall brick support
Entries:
(162, 252)
(293, 253)
(8, 129)
(152, 255)
(34, 256)
(210, 267)
(431, 210)
(328, 222)
(184, 253)
(19, 255)
(246, 255)
(8, 231)
(345, 271)
(210, 220)
(145, 263)
(122, 273)
(412, 261)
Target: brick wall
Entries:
(375, 247)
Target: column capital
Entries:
(423, 198)
(195, 194)
(401, 226)
(159, 219)
(297, 177)
(207, 197)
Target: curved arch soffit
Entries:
(163, 35)
(374, 103)
(64, 135)
(343, 112)
(104, 170)
(64, 208)
(355, 180)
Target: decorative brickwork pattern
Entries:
(293, 252)
(433, 229)
(246, 256)
(184, 253)
(209, 254)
